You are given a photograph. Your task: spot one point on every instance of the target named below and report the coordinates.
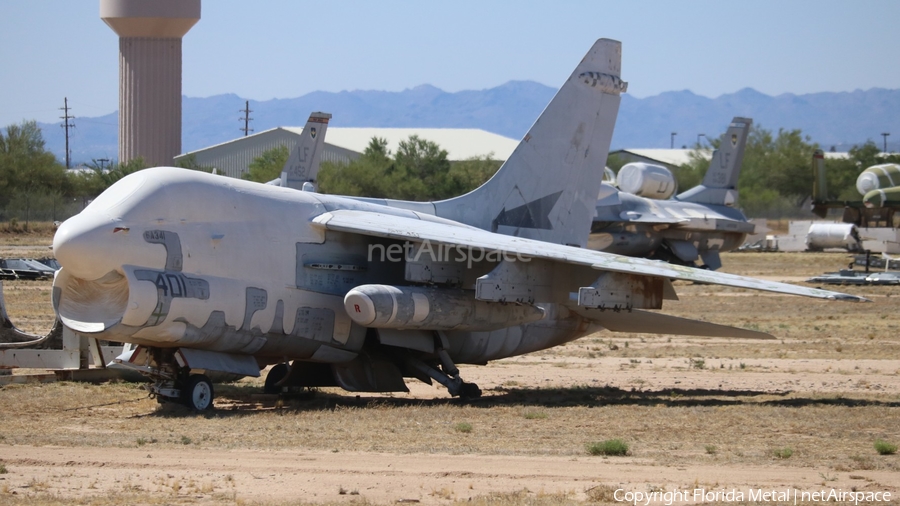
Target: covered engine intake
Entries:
(647, 180)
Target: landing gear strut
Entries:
(276, 378)
(447, 374)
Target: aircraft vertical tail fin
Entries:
(303, 163)
(720, 182)
(548, 187)
(820, 187)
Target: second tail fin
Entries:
(720, 183)
(303, 163)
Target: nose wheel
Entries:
(197, 393)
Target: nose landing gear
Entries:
(172, 378)
(197, 393)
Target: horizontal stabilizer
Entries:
(646, 322)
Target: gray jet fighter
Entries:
(700, 222)
(211, 274)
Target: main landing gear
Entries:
(446, 374)
(276, 378)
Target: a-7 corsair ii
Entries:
(207, 273)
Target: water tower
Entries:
(150, 35)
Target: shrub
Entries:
(885, 448)
(613, 447)
(784, 453)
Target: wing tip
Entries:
(846, 297)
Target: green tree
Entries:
(615, 162)
(421, 170)
(267, 166)
(466, 175)
(367, 176)
(190, 162)
(27, 170)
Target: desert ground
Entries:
(798, 414)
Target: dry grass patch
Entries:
(744, 427)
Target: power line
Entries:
(246, 119)
(66, 117)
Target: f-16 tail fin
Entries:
(548, 187)
(720, 183)
(303, 163)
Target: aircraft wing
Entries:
(445, 232)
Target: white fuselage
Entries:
(174, 258)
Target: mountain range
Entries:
(832, 119)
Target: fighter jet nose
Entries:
(83, 247)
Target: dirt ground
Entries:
(798, 414)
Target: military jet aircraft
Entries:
(879, 186)
(700, 222)
(302, 167)
(206, 273)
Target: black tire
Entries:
(276, 374)
(470, 391)
(197, 393)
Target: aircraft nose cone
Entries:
(84, 247)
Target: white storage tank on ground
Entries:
(832, 235)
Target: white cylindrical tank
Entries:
(150, 35)
(412, 307)
(647, 180)
(878, 177)
(832, 235)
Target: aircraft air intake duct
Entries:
(410, 307)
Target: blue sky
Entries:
(50, 49)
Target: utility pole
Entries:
(672, 140)
(885, 135)
(698, 138)
(65, 117)
(246, 119)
